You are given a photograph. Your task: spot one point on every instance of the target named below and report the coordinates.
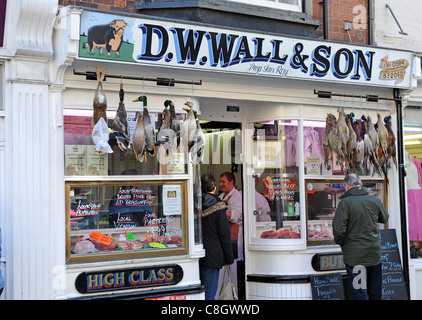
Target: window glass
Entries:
(322, 199)
(125, 217)
(292, 5)
(412, 160)
(1, 88)
(276, 175)
(81, 158)
(313, 153)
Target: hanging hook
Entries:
(193, 97)
(169, 94)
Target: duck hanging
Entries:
(139, 138)
(149, 129)
(166, 135)
(174, 122)
(188, 126)
(100, 100)
(120, 125)
(198, 146)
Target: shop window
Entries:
(412, 159)
(125, 220)
(291, 5)
(313, 152)
(1, 88)
(119, 207)
(81, 158)
(276, 174)
(322, 199)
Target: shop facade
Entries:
(262, 101)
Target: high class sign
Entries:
(174, 44)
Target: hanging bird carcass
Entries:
(120, 125)
(100, 100)
(188, 128)
(100, 131)
(138, 142)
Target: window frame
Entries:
(114, 256)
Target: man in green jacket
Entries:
(355, 229)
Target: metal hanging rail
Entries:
(91, 75)
(368, 97)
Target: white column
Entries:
(31, 181)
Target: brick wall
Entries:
(354, 12)
(116, 5)
(340, 12)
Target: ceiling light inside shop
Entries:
(412, 136)
(408, 143)
(412, 129)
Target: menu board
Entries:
(393, 285)
(327, 287)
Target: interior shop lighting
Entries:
(412, 129)
(408, 143)
(413, 136)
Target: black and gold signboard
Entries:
(111, 280)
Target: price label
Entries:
(130, 236)
(102, 238)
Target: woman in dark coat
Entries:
(216, 237)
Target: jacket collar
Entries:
(355, 191)
(220, 205)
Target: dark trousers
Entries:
(365, 283)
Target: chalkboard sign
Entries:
(327, 287)
(393, 285)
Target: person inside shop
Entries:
(128, 208)
(233, 198)
(355, 229)
(261, 204)
(216, 237)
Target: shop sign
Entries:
(111, 280)
(166, 43)
(328, 261)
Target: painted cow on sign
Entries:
(109, 36)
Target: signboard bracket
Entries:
(368, 97)
(91, 75)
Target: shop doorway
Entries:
(222, 154)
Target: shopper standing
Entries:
(355, 229)
(216, 237)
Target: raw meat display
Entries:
(282, 233)
(84, 246)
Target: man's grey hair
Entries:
(352, 179)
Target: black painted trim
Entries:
(141, 295)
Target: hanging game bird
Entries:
(148, 128)
(174, 122)
(198, 147)
(120, 125)
(188, 127)
(166, 136)
(391, 148)
(100, 100)
(139, 138)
